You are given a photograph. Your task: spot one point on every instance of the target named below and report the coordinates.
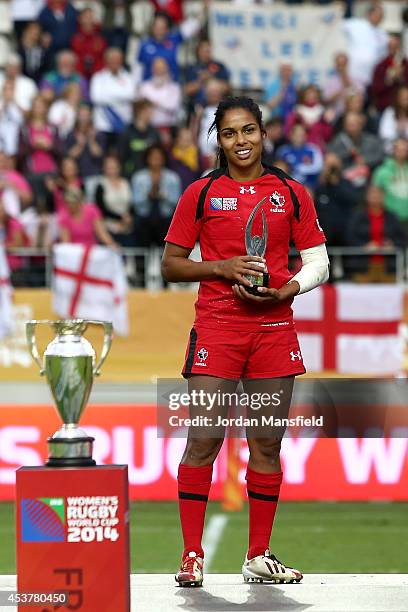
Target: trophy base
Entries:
(264, 282)
(70, 462)
(70, 452)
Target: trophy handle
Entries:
(107, 343)
(32, 344)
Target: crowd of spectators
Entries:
(97, 148)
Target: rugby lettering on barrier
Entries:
(314, 469)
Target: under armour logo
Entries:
(250, 189)
(294, 356)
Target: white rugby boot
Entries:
(190, 573)
(267, 568)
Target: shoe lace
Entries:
(188, 564)
(269, 555)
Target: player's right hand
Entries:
(236, 268)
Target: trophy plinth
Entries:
(69, 367)
(256, 246)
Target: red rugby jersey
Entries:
(220, 231)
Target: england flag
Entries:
(351, 329)
(90, 283)
(6, 306)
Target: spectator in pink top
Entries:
(68, 178)
(12, 233)
(38, 140)
(82, 222)
(38, 147)
(14, 180)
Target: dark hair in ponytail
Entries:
(253, 108)
(226, 105)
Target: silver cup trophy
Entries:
(256, 246)
(69, 366)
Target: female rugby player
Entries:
(238, 335)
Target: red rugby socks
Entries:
(193, 487)
(263, 495)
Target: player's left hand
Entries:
(266, 294)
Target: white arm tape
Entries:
(315, 268)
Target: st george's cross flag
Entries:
(351, 329)
(89, 282)
(6, 306)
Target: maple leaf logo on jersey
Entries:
(243, 190)
(277, 199)
(202, 354)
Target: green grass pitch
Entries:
(314, 537)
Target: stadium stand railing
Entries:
(143, 266)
